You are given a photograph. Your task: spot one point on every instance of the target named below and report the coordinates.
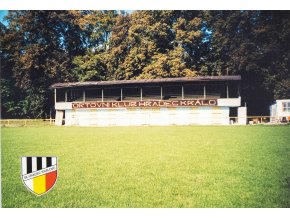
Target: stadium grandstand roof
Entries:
(146, 81)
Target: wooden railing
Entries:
(252, 120)
(26, 122)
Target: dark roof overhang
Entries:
(147, 81)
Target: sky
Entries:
(3, 13)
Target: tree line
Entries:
(39, 48)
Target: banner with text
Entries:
(130, 104)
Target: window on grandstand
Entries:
(93, 95)
(214, 91)
(171, 93)
(286, 106)
(193, 91)
(112, 94)
(60, 95)
(74, 95)
(233, 90)
(131, 94)
(151, 93)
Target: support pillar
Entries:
(121, 94)
(141, 93)
(182, 92)
(242, 115)
(54, 96)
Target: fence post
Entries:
(50, 109)
(8, 122)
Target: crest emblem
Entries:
(39, 174)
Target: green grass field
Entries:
(178, 166)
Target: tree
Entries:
(255, 45)
(98, 27)
(154, 44)
(41, 46)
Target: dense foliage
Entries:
(39, 48)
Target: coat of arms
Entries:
(39, 174)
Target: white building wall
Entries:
(148, 116)
(59, 117)
(276, 110)
(63, 105)
(273, 113)
(280, 111)
(242, 115)
(229, 102)
(203, 115)
(222, 102)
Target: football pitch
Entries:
(175, 166)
